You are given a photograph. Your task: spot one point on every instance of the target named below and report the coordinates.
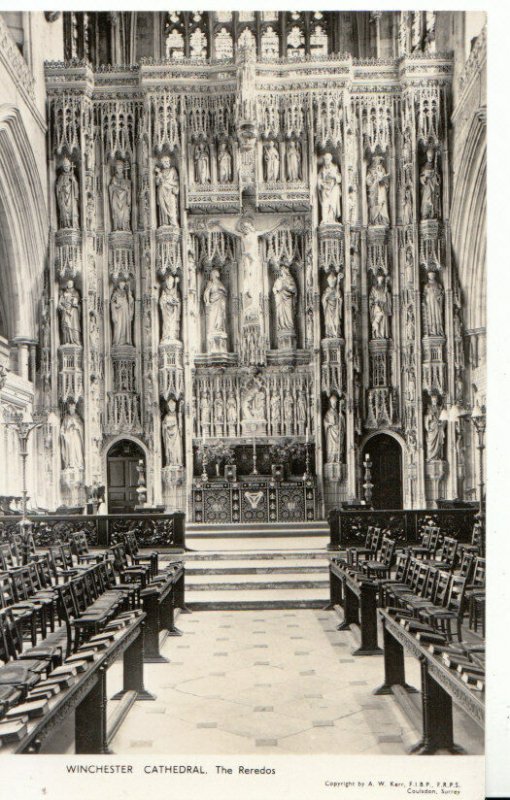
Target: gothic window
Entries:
(246, 16)
(270, 44)
(223, 16)
(223, 45)
(269, 16)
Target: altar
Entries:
(253, 501)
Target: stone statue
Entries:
(377, 189)
(67, 196)
(70, 320)
(380, 309)
(285, 293)
(167, 182)
(332, 306)
(170, 305)
(276, 413)
(293, 161)
(71, 439)
(301, 413)
(123, 310)
(329, 183)
(433, 299)
(434, 431)
(430, 188)
(205, 411)
(407, 210)
(352, 198)
(219, 416)
(202, 171)
(215, 300)
(231, 414)
(224, 163)
(332, 431)
(172, 437)
(288, 414)
(272, 162)
(120, 198)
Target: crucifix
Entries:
(252, 279)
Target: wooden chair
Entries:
(441, 616)
(446, 554)
(379, 568)
(80, 549)
(402, 562)
(430, 540)
(136, 556)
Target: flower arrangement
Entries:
(214, 451)
(286, 451)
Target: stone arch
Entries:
(23, 228)
(469, 222)
(406, 498)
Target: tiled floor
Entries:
(269, 681)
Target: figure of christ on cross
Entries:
(249, 229)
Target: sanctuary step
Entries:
(233, 571)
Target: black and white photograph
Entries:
(243, 390)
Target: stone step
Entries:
(273, 528)
(236, 558)
(260, 568)
(217, 583)
(258, 599)
(258, 544)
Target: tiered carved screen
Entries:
(253, 259)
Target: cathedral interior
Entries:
(242, 264)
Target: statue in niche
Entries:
(433, 299)
(172, 436)
(231, 414)
(170, 305)
(71, 438)
(409, 265)
(301, 413)
(288, 413)
(224, 163)
(120, 198)
(219, 416)
(205, 411)
(430, 187)
(272, 162)
(407, 210)
(411, 386)
(93, 331)
(434, 431)
(333, 421)
(377, 189)
(167, 182)
(215, 300)
(380, 308)
(70, 321)
(332, 307)
(67, 196)
(122, 309)
(285, 293)
(276, 413)
(410, 323)
(352, 197)
(254, 403)
(293, 161)
(329, 183)
(202, 170)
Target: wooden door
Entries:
(123, 478)
(386, 457)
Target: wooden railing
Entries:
(350, 527)
(152, 530)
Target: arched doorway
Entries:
(386, 457)
(122, 476)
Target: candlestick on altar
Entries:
(254, 456)
(204, 470)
